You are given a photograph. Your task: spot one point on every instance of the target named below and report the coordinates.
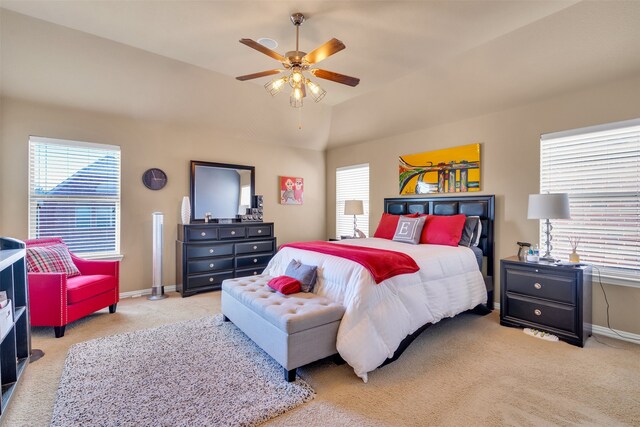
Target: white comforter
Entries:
(379, 316)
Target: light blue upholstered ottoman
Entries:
(294, 329)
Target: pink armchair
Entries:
(56, 300)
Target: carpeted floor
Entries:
(463, 371)
(220, 378)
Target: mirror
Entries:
(220, 189)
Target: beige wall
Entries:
(510, 168)
(170, 147)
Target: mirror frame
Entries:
(192, 182)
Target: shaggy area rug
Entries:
(204, 372)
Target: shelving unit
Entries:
(15, 344)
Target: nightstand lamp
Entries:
(547, 207)
(354, 207)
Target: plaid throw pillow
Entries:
(51, 259)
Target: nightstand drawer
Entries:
(540, 285)
(548, 314)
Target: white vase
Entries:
(185, 211)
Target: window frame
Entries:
(364, 219)
(588, 199)
(92, 203)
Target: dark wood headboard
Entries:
(482, 206)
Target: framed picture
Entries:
(291, 190)
(451, 170)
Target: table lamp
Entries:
(353, 207)
(547, 207)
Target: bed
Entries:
(382, 319)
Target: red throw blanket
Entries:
(382, 264)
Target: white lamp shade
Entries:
(549, 206)
(353, 207)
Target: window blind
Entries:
(599, 167)
(74, 193)
(352, 183)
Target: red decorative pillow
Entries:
(388, 224)
(285, 285)
(51, 259)
(443, 229)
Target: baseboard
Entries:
(136, 294)
(626, 336)
(603, 330)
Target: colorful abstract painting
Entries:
(451, 170)
(291, 190)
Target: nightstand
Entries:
(549, 297)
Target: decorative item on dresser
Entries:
(15, 332)
(207, 254)
(550, 297)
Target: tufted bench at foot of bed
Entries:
(294, 329)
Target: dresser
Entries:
(548, 297)
(207, 254)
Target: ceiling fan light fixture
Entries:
(295, 100)
(275, 86)
(316, 91)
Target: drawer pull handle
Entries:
(211, 279)
(537, 285)
(255, 247)
(255, 273)
(203, 234)
(259, 231)
(537, 312)
(211, 265)
(255, 260)
(233, 232)
(210, 251)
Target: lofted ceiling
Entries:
(420, 62)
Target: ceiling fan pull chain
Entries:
(299, 118)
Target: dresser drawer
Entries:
(542, 313)
(252, 247)
(549, 286)
(213, 264)
(259, 231)
(201, 251)
(205, 280)
(202, 233)
(252, 261)
(231, 232)
(249, 271)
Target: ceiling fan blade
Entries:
(335, 77)
(257, 46)
(256, 75)
(329, 48)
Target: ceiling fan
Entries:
(295, 63)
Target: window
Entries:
(352, 183)
(599, 167)
(74, 193)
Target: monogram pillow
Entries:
(409, 230)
